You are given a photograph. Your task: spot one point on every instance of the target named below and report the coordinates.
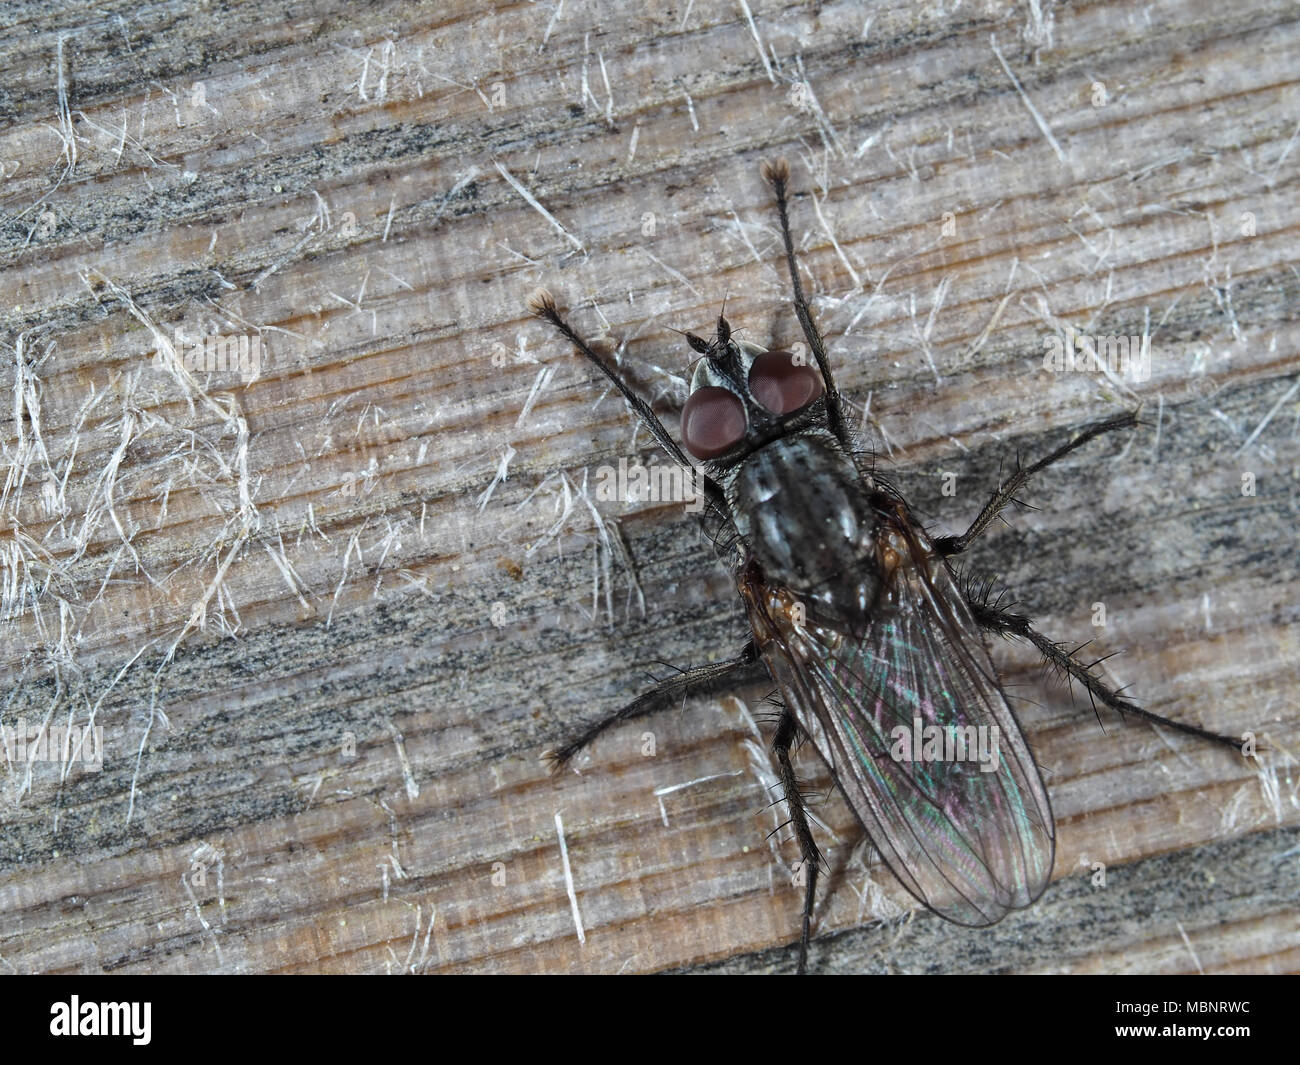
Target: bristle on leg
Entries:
(776, 171)
(542, 304)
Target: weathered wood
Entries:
(329, 619)
(1227, 907)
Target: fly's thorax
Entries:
(804, 511)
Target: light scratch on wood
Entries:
(670, 788)
(1042, 122)
(675, 274)
(66, 130)
(533, 202)
(502, 474)
(568, 880)
(867, 143)
(817, 207)
(814, 105)
(559, 8)
(625, 557)
(758, 41)
(408, 778)
(540, 382)
(1269, 416)
(980, 340)
(288, 572)
(388, 222)
(1190, 949)
(1285, 152)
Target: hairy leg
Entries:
(1005, 623)
(777, 175)
(658, 698)
(787, 731)
(952, 545)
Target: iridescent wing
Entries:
(971, 836)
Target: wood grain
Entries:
(330, 618)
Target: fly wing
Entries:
(971, 837)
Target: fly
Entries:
(877, 648)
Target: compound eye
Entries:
(781, 384)
(713, 421)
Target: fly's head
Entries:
(743, 397)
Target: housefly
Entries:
(876, 646)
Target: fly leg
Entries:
(542, 304)
(947, 546)
(657, 698)
(1005, 623)
(787, 731)
(777, 175)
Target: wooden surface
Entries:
(330, 619)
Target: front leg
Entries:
(777, 175)
(542, 304)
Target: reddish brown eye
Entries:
(713, 420)
(782, 385)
